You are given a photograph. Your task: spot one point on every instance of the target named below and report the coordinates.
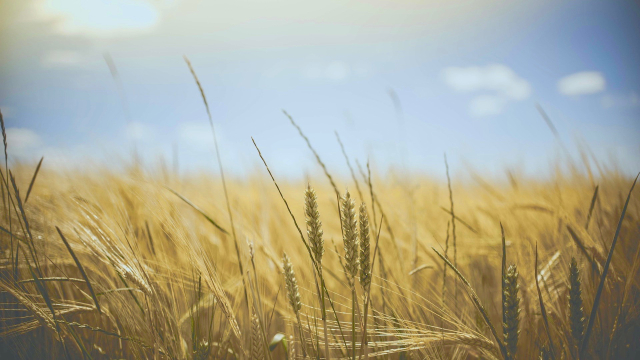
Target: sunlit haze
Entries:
(402, 82)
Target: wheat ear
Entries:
(293, 293)
(365, 267)
(511, 311)
(314, 225)
(576, 312)
(350, 236)
(316, 242)
(365, 240)
(257, 347)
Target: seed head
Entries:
(511, 311)
(350, 236)
(257, 348)
(314, 225)
(291, 283)
(365, 261)
(576, 312)
(251, 250)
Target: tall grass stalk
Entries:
(596, 301)
(453, 228)
(224, 183)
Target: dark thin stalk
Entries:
(593, 204)
(33, 180)
(198, 209)
(596, 301)
(82, 272)
(504, 270)
(543, 310)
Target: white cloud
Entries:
(196, 135)
(487, 105)
(499, 83)
(582, 83)
(101, 17)
(497, 78)
(335, 71)
(21, 141)
(137, 131)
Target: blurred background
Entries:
(85, 82)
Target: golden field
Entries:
(147, 274)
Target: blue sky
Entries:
(466, 76)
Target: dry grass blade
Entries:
(4, 136)
(552, 127)
(593, 204)
(81, 268)
(543, 310)
(52, 279)
(504, 268)
(33, 180)
(198, 209)
(622, 308)
(420, 268)
(45, 294)
(471, 228)
(580, 244)
(596, 301)
(453, 226)
(477, 304)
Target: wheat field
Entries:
(142, 263)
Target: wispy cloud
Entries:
(582, 83)
(196, 135)
(499, 83)
(487, 105)
(335, 71)
(21, 141)
(138, 131)
(103, 18)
